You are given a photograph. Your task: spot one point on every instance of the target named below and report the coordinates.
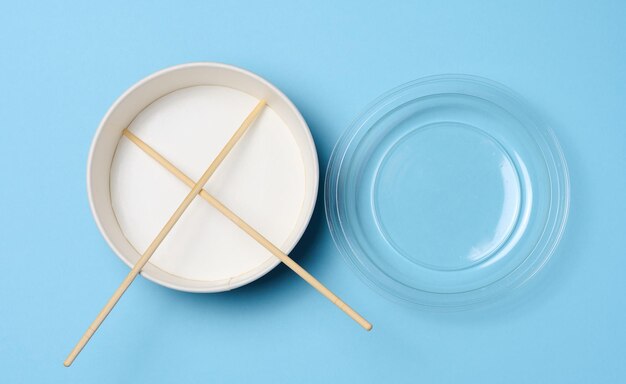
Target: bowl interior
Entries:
(108, 149)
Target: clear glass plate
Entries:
(447, 192)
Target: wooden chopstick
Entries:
(197, 187)
(251, 231)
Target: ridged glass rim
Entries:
(551, 235)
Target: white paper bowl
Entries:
(130, 204)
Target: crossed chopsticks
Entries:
(197, 189)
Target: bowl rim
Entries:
(314, 174)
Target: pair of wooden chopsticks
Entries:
(197, 188)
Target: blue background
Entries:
(62, 65)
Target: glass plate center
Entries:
(446, 196)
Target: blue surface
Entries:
(63, 65)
